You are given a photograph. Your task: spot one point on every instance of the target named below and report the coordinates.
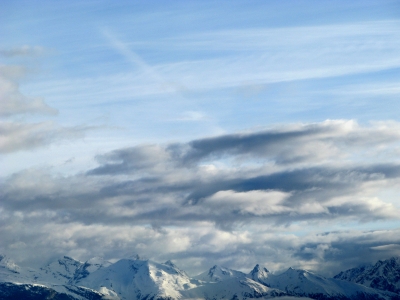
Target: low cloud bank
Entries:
(296, 194)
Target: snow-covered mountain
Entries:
(141, 279)
(49, 282)
(352, 274)
(384, 275)
(260, 275)
(238, 288)
(11, 272)
(8, 265)
(217, 273)
(60, 271)
(305, 283)
(87, 268)
(224, 283)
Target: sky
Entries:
(204, 132)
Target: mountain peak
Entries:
(170, 263)
(135, 257)
(395, 260)
(89, 267)
(97, 260)
(259, 274)
(61, 270)
(258, 269)
(68, 258)
(146, 278)
(69, 261)
(218, 273)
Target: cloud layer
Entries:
(250, 196)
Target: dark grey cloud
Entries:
(304, 194)
(302, 143)
(259, 144)
(288, 146)
(161, 189)
(143, 158)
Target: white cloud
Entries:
(254, 202)
(23, 136)
(388, 247)
(192, 116)
(14, 105)
(12, 101)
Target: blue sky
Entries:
(268, 130)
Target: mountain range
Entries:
(142, 279)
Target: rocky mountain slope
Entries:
(384, 275)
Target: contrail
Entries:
(136, 60)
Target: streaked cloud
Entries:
(16, 136)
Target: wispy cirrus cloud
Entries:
(266, 55)
(239, 58)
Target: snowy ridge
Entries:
(354, 273)
(224, 283)
(8, 264)
(60, 271)
(259, 274)
(142, 279)
(49, 281)
(11, 272)
(305, 283)
(384, 275)
(87, 268)
(232, 288)
(217, 273)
